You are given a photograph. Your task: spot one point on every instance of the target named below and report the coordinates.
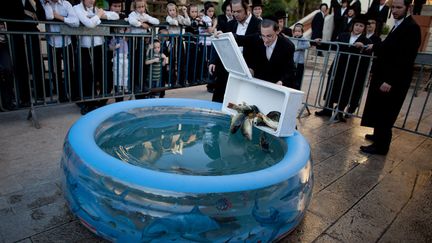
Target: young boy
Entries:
(118, 59)
(60, 45)
(301, 44)
(156, 60)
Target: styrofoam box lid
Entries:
(230, 55)
(267, 96)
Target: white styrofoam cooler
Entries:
(267, 96)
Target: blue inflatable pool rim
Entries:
(82, 139)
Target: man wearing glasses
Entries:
(273, 54)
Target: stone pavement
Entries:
(357, 197)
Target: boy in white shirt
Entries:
(61, 49)
(91, 54)
(139, 19)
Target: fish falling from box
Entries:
(267, 96)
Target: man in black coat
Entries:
(244, 23)
(26, 53)
(318, 23)
(391, 79)
(379, 11)
(339, 14)
(273, 54)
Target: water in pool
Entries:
(186, 141)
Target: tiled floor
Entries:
(357, 197)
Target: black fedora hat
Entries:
(257, 3)
(361, 18)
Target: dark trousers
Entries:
(298, 76)
(140, 71)
(383, 137)
(92, 75)
(27, 63)
(192, 62)
(64, 80)
(6, 78)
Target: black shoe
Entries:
(370, 137)
(323, 113)
(372, 149)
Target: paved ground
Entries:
(357, 198)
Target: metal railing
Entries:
(38, 74)
(333, 78)
(349, 94)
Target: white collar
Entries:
(272, 46)
(247, 20)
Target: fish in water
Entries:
(243, 108)
(249, 115)
(261, 119)
(274, 115)
(247, 128)
(236, 122)
(264, 143)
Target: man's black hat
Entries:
(257, 3)
(361, 18)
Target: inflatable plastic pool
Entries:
(192, 186)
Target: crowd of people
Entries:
(181, 50)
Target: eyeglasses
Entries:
(267, 36)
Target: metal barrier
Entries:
(348, 96)
(33, 73)
(40, 73)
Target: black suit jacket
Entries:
(220, 73)
(317, 26)
(339, 22)
(280, 67)
(15, 10)
(394, 65)
(375, 13)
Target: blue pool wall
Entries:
(122, 202)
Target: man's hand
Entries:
(212, 68)
(58, 16)
(101, 13)
(216, 34)
(385, 87)
(144, 25)
(279, 82)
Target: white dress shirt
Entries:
(242, 27)
(342, 11)
(89, 19)
(136, 19)
(63, 8)
(353, 38)
(269, 50)
(174, 23)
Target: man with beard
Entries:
(391, 79)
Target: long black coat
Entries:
(394, 65)
(338, 22)
(317, 26)
(351, 71)
(280, 67)
(379, 15)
